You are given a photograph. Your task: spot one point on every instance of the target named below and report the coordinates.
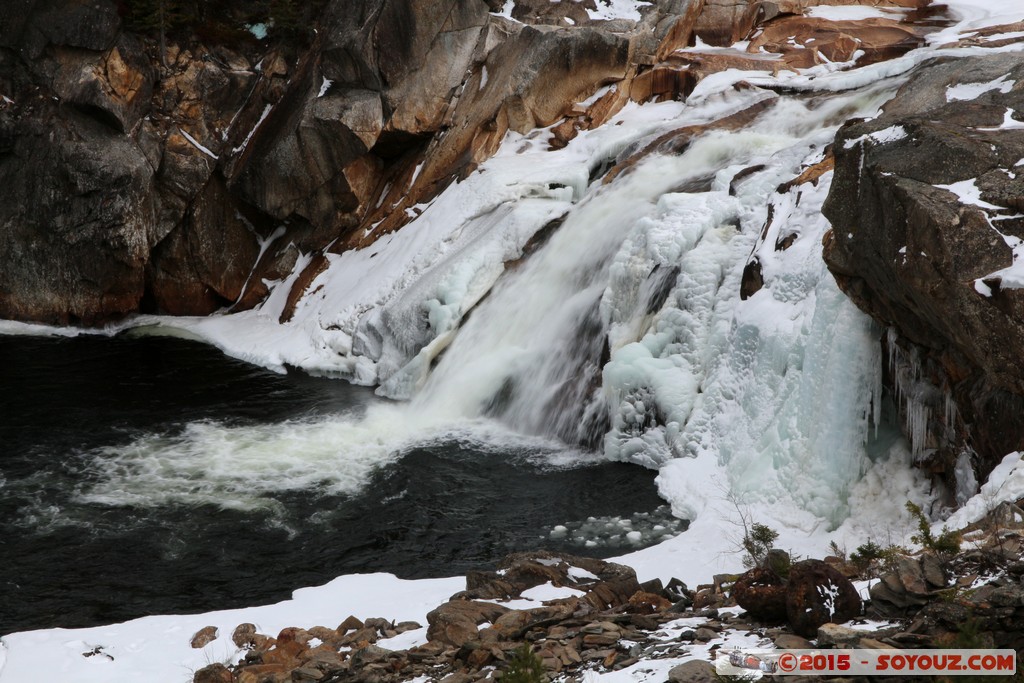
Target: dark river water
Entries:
(83, 542)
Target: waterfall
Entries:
(621, 332)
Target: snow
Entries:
(616, 9)
(764, 404)
(195, 143)
(156, 649)
(852, 12)
(547, 591)
(506, 10)
(970, 91)
(581, 574)
(248, 137)
(259, 31)
(972, 15)
(967, 192)
(405, 641)
(324, 87)
(1009, 122)
(1005, 483)
(879, 137)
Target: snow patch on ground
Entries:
(156, 649)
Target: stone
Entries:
(350, 623)
(73, 243)
(307, 673)
(377, 623)
(243, 635)
(834, 634)
(291, 634)
(703, 635)
(455, 622)
(214, 673)
(873, 644)
(933, 571)
(368, 655)
(806, 41)
(818, 594)
(359, 637)
(615, 584)
(696, 671)
(647, 603)
(264, 673)
(762, 593)
(790, 641)
(204, 637)
(911, 576)
(677, 589)
(405, 626)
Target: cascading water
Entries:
(622, 332)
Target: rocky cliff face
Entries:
(182, 179)
(926, 209)
(179, 182)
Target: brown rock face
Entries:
(818, 594)
(614, 584)
(455, 622)
(926, 264)
(167, 168)
(835, 41)
(762, 593)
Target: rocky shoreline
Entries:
(590, 617)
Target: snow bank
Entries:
(156, 649)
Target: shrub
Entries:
(947, 542)
(757, 541)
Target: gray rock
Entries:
(909, 253)
(696, 671)
(835, 634)
(911, 575)
(75, 222)
(791, 641)
(933, 571)
(704, 635)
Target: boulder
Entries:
(614, 586)
(789, 641)
(696, 671)
(204, 637)
(455, 622)
(762, 593)
(926, 262)
(836, 635)
(818, 594)
(213, 673)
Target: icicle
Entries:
(963, 473)
(950, 413)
